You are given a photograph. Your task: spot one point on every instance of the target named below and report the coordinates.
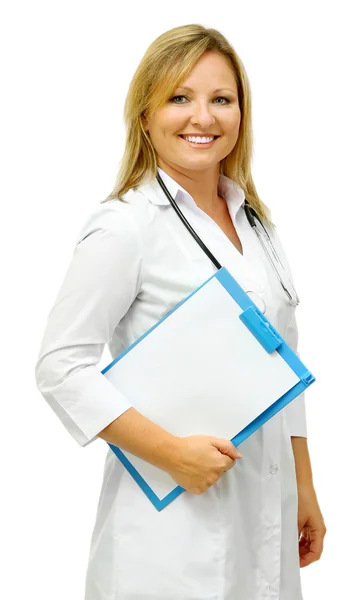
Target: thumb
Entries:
(226, 447)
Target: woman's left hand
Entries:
(311, 527)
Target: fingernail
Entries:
(239, 454)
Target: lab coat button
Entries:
(274, 468)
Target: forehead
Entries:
(212, 70)
(222, 89)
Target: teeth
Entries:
(199, 140)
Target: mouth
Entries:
(200, 145)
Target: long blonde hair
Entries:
(167, 61)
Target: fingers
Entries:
(310, 546)
(228, 465)
(226, 447)
(316, 544)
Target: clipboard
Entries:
(213, 365)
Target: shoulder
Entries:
(128, 215)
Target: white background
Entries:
(66, 69)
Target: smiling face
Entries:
(206, 102)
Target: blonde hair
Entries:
(167, 61)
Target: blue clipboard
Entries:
(268, 338)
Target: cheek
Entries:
(231, 127)
(229, 120)
(234, 121)
(172, 121)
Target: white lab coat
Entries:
(133, 262)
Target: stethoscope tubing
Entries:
(188, 225)
(251, 216)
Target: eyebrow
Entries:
(183, 87)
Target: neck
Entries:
(201, 185)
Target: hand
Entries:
(311, 527)
(201, 460)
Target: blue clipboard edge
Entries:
(236, 440)
(285, 351)
(161, 321)
(243, 300)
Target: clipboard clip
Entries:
(260, 327)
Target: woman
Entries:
(234, 534)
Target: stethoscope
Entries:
(262, 235)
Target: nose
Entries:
(202, 115)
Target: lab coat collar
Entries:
(227, 189)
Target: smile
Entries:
(199, 144)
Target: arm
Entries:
(102, 281)
(134, 433)
(311, 526)
(302, 461)
(194, 462)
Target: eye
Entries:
(223, 98)
(175, 97)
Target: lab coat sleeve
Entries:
(101, 282)
(294, 411)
